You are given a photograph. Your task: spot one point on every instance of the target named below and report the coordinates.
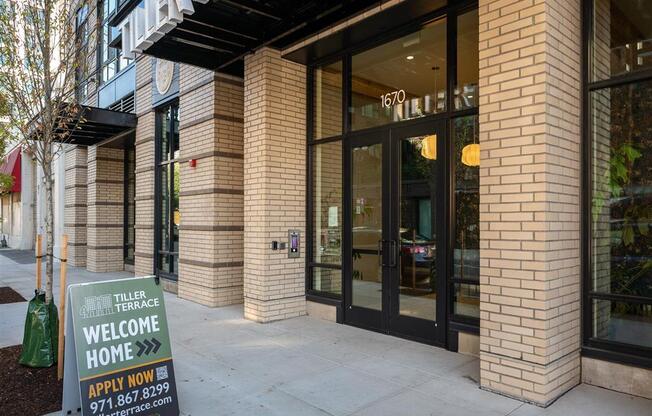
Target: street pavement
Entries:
(226, 365)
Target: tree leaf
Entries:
(628, 235)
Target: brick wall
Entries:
(76, 159)
(274, 184)
(529, 207)
(144, 224)
(211, 199)
(105, 233)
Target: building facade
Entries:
(470, 174)
(17, 204)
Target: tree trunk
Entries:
(49, 227)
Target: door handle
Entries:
(393, 261)
(393, 253)
(380, 253)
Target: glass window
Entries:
(622, 37)
(466, 251)
(130, 203)
(111, 59)
(164, 230)
(176, 213)
(400, 80)
(327, 203)
(621, 211)
(81, 39)
(169, 173)
(327, 280)
(327, 119)
(623, 322)
(620, 140)
(622, 190)
(467, 198)
(466, 300)
(468, 60)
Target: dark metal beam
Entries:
(262, 45)
(210, 32)
(216, 22)
(168, 49)
(201, 41)
(253, 7)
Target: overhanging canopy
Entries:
(11, 166)
(217, 34)
(98, 125)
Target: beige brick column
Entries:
(211, 233)
(76, 159)
(105, 210)
(145, 131)
(530, 197)
(275, 175)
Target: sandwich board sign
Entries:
(118, 359)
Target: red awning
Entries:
(11, 166)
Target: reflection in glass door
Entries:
(366, 262)
(417, 282)
(367, 226)
(397, 198)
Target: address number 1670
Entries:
(392, 98)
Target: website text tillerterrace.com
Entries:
(139, 408)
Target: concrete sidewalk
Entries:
(226, 365)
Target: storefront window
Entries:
(622, 38)
(327, 215)
(327, 88)
(400, 80)
(327, 280)
(466, 252)
(622, 205)
(468, 60)
(327, 197)
(130, 204)
(168, 171)
(620, 210)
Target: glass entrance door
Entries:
(368, 226)
(419, 195)
(395, 270)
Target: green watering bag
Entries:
(41, 333)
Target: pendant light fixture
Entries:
(429, 147)
(471, 152)
(429, 143)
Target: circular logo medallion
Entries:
(164, 73)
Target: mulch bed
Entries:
(26, 391)
(8, 295)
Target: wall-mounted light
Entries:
(409, 57)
